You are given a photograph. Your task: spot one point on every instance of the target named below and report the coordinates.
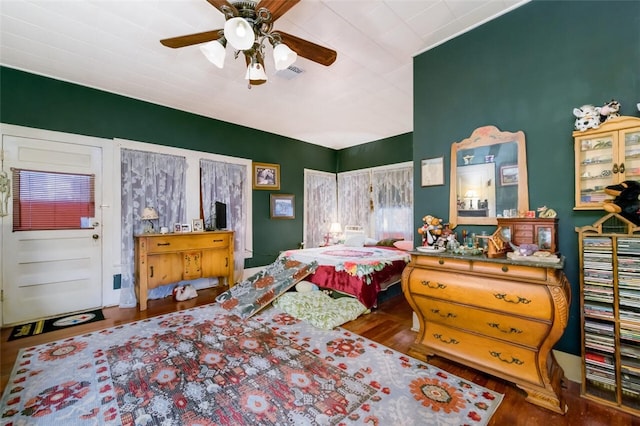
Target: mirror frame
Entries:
(481, 137)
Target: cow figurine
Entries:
(587, 117)
(609, 110)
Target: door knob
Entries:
(95, 236)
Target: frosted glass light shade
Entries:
(239, 33)
(335, 228)
(283, 56)
(255, 71)
(215, 52)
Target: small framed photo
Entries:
(509, 175)
(177, 227)
(197, 225)
(282, 206)
(432, 170)
(186, 227)
(266, 176)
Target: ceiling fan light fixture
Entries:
(239, 32)
(283, 56)
(255, 71)
(215, 51)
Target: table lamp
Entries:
(149, 214)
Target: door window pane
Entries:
(52, 200)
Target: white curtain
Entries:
(393, 202)
(148, 179)
(380, 199)
(321, 206)
(225, 182)
(354, 199)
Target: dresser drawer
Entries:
(493, 324)
(170, 243)
(524, 299)
(496, 357)
(480, 267)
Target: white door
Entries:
(51, 272)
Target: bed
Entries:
(359, 271)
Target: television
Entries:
(221, 215)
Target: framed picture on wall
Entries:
(509, 175)
(432, 171)
(266, 176)
(282, 206)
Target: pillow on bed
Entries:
(404, 245)
(251, 295)
(388, 242)
(320, 309)
(355, 241)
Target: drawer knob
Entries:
(505, 268)
(447, 341)
(516, 300)
(218, 241)
(441, 261)
(433, 285)
(507, 330)
(164, 244)
(513, 360)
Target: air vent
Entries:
(290, 73)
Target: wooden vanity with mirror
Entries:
(488, 177)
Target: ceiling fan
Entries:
(249, 24)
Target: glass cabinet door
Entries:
(595, 164)
(631, 162)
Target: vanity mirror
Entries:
(488, 177)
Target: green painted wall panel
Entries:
(527, 70)
(396, 149)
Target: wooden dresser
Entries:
(168, 258)
(495, 315)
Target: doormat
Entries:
(52, 324)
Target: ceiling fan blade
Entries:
(277, 7)
(222, 4)
(311, 51)
(188, 40)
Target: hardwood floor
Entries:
(390, 325)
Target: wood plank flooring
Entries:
(390, 325)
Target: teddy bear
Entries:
(430, 230)
(587, 117)
(609, 110)
(626, 202)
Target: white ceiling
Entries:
(366, 95)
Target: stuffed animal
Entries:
(587, 117)
(182, 293)
(609, 110)
(626, 202)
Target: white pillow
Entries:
(355, 241)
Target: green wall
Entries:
(34, 101)
(396, 149)
(527, 70)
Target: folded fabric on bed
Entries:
(251, 295)
(320, 309)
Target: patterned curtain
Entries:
(354, 199)
(393, 202)
(225, 182)
(148, 179)
(321, 206)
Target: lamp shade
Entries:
(239, 33)
(149, 213)
(283, 56)
(215, 51)
(255, 72)
(335, 228)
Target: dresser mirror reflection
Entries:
(488, 177)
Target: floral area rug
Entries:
(204, 366)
